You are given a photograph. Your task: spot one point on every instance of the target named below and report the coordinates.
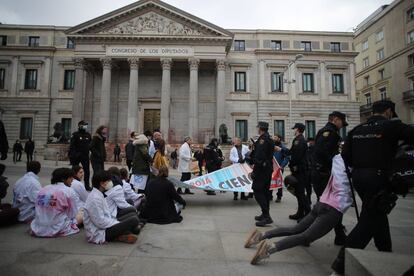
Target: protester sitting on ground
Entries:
(159, 156)
(141, 164)
(130, 195)
(8, 215)
(164, 204)
(334, 202)
(25, 192)
(80, 192)
(99, 224)
(56, 207)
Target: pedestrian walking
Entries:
(17, 151)
(174, 158)
(129, 151)
(117, 153)
(29, 147)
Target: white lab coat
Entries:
(24, 196)
(184, 157)
(80, 193)
(234, 156)
(115, 198)
(55, 212)
(97, 217)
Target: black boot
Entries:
(265, 221)
(259, 218)
(243, 197)
(235, 196)
(340, 236)
(179, 191)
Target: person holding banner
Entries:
(325, 215)
(238, 155)
(262, 159)
(214, 159)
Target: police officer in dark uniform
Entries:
(369, 150)
(262, 159)
(298, 168)
(79, 150)
(326, 147)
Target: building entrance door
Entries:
(152, 119)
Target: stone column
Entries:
(15, 67)
(324, 91)
(262, 82)
(132, 120)
(104, 110)
(165, 97)
(220, 94)
(352, 81)
(193, 99)
(77, 107)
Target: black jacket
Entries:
(214, 158)
(79, 144)
(17, 147)
(29, 147)
(262, 154)
(297, 153)
(129, 150)
(97, 148)
(326, 146)
(160, 207)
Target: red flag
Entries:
(277, 180)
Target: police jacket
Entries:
(326, 146)
(79, 144)
(262, 154)
(297, 152)
(374, 144)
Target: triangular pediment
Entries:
(147, 18)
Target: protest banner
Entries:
(235, 178)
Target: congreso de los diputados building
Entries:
(151, 66)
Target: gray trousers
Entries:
(315, 225)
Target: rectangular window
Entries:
(364, 45)
(310, 129)
(335, 47)
(337, 83)
(2, 77)
(239, 45)
(365, 62)
(411, 60)
(383, 93)
(70, 44)
(368, 98)
(30, 80)
(379, 36)
(240, 81)
(279, 128)
(366, 81)
(26, 127)
(307, 82)
(241, 130)
(277, 82)
(343, 133)
(410, 37)
(380, 54)
(410, 14)
(3, 40)
(33, 41)
(276, 45)
(306, 46)
(381, 74)
(66, 125)
(69, 80)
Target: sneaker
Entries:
(259, 218)
(261, 253)
(265, 221)
(211, 193)
(254, 238)
(278, 200)
(129, 238)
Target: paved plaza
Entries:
(208, 242)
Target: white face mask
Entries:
(109, 185)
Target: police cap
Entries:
(82, 123)
(263, 125)
(382, 106)
(341, 116)
(299, 126)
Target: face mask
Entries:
(109, 185)
(85, 127)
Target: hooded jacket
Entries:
(142, 160)
(97, 148)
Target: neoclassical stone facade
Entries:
(150, 65)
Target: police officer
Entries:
(326, 147)
(298, 167)
(369, 149)
(262, 158)
(79, 150)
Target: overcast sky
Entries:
(318, 15)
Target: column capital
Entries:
(106, 63)
(166, 63)
(193, 63)
(221, 65)
(133, 62)
(79, 63)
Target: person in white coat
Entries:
(130, 195)
(99, 224)
(56, 207)
(184, 163)
(81, 194)
(238, 155)
(25, 192)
